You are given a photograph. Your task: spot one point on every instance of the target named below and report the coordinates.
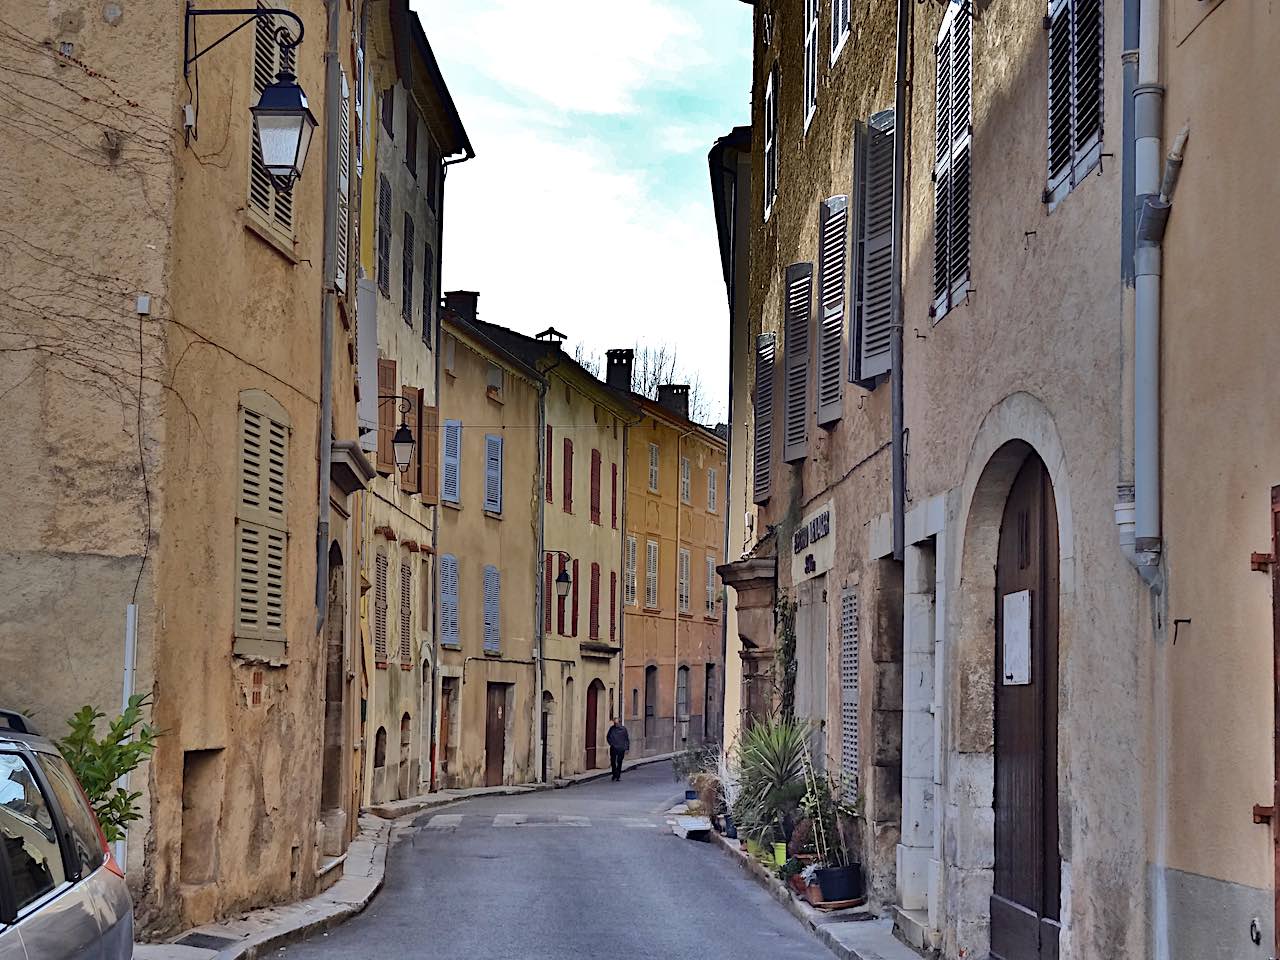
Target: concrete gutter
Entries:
(854, 934)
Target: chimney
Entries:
(675, 397)
(463, 303)
(618, 369)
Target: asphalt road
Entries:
(590, 871)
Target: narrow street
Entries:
(591, 871)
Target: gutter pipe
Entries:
(895, 329)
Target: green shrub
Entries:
(101, 762)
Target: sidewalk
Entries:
(854, 934)
(255, 934)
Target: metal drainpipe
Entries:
(675, 620)
(539, 631)
(900, 126)
(332, 105)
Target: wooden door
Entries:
(593, 704)
(446, 711)
(650, 706)
(1025, 898)
(495, 734)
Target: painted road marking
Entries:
(510, 819)
(444, 821)
(565, 821)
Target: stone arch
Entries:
(550, 737)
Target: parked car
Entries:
(62, 894)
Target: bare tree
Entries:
(589, 360)
(653, 367)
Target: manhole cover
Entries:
(206, 940)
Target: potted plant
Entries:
(826, 803)
(769, 781)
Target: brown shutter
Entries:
(593, 619)
(560, 603)
(568, 476)
(547, 463)
(409, 479)
(574, 631)
(613, 499)
(548, 591)
(613, 604)
(430, 453)
(595, 486)
(387, 387)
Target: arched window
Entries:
(682, 693)
(380, 748)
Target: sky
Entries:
(588, 204)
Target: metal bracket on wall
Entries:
(1261, 562)
(1262, 813)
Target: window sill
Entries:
(685, 616)
(451, 646)
(451, 373)
(710, 618)
(494, 394)
(493, 514)
(451, 505)
(380, 665)
(270, 236)
(493, 654)
(406, 666)
(651, 609)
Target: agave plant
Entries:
(770, 778)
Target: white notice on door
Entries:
(1017, 638)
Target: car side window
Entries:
(84, 828)
(30, 841)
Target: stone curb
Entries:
(590, 775)
(428, 801)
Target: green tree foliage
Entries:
(101, 762)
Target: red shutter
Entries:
(595, 486)
(613, 604)
(548, 591)
(594, 617)
(613, 500)
(574, 632)
(547, 461)
(560, 602)
(568, 475)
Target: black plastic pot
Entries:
(841, 883)
(730, 828)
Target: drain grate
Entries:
(206, 940)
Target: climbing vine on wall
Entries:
(784, 612)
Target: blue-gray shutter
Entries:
(449, 633)
(795, 404)
(951, 175)
(766, 352)
(492, 609)
(449, 485)
(493, 473)
(875, 242)
(833, 221)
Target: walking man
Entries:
(619, 744)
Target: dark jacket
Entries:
(618, 738)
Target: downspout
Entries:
(622, 565)
(900, 126)
(675, 620)
(324, 437)
(539, 591)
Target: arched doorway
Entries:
(650, 706)
(594, 690)
(406, 736)
(1026, 893)
(566, 760)
(334, 684)
(548, 732)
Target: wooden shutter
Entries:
(613, 496)
(548, 592)
(684, 480)
(770, 140)
(574, 630)
(450, 480)
(849, 685)
(560, 604)
(711, 586)
(873, 329)
(651, 575)
(359, 105)
(387, 387)
(406, 613)
(595, 486)
(343, 241)
(406, 272)
(1087, 17)
(683, 577)
(380, 609)
(384, 235)
(953, 132)
(493, 473)
(1060, 133)
(568, 475)
(492, 610)
(613, 603)
(629, 574)
(766, 349)
(839, 24)
(389, 111)
(713, 505)
(653, 467)
(428, 293)
(1075, 92)
(810, 60)
(273, 202)
(425, 605)
(795, 429)
(833, 224)
(546, 461)
(449, 628)
(261, 539)
(593, 615)
(411, 137)
(410, 479)
(430, 452)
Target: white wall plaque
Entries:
(1017, 638)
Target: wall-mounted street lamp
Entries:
(402, 441)
(563, 580)
(282, 122)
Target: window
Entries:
(613, 604)
(712, 593)
(595, 487)
(629, 574)
(833, 222)
(635, 702)
(682, 694)
(34, 860)
(651, 574)
(762, 451)
(810, 60)
(1075, 93)
(492, 609)
(546, 459)
(428, 293)
(86, 846)
(449, 627)
(712, 492)
(561, 603)
(839, 26)
(343, 216)
(266, 198)
(951, 171)
(613, 495)
(433, 172)
(380, 566)
(869, 335)
(493, 473)
(261, 527)
(384, 236)
(388, 111)
(849, 689)
(593, 611)
(795, 427)
(450, 487)
(685, 492)
(568, 475)
(410, 137)
(406, 274)
(653, 468)
(548, 591)
(406, 613)
(770, 141)
(683, 571)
